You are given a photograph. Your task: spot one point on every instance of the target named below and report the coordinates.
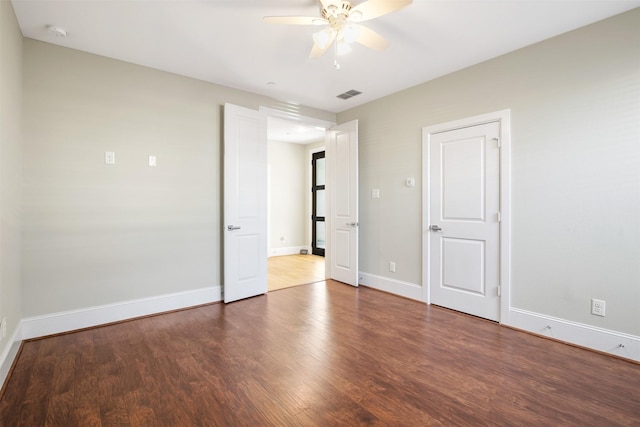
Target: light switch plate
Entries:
(152, 161)
(110, 158)
(375, 193)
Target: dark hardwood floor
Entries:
(321, 354)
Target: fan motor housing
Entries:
(337, 15)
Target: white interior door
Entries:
(245, 203)
(342, 202)
(464, 229)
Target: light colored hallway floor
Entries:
(292, 270)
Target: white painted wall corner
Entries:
(9, 354)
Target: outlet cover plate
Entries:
(598, 307)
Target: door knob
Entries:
(233, 227)
(435, 228)
(352, 224)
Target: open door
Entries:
(342, 201)
(245, 203)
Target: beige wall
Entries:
(575, 110)
(97, 234)
(287, 195)
(10, 169)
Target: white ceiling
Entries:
(226, 41)
(298, 133)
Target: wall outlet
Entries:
(110, 157)
(392, 266)
(597, 307)
(3, 327)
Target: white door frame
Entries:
(503, 117)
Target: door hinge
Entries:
(497, 140)
(499, 217)
(499, 291)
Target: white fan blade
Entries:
(318, 51)
(370, 38)
(326, 3)
(294, 20)
(374, 8)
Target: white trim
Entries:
(38, 326)
(576, 333)
(296, 117)
(291, 250)
(9, 354)
(397, 287)
(503, 117)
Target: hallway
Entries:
(292, 270)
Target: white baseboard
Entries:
(291, 250)
(397, 287)
(9, 354)
(617, 343)
(38, 326)
(604, 340)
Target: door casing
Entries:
(503, 117)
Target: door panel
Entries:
(463, 179)
(463, 263)
(342, 202)
(245, 203)
(342, 249)
(463, 206)
(342, 173)
(248, 256)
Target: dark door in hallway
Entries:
(318, 203)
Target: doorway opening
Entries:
(295, 165)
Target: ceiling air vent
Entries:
(349, 94)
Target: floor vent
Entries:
(349, 94)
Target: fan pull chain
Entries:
(335, 50)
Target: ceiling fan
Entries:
(342, 24)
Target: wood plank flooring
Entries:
(293, 270)
(316, 355)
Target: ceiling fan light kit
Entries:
(343, 24)
(321, 38)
